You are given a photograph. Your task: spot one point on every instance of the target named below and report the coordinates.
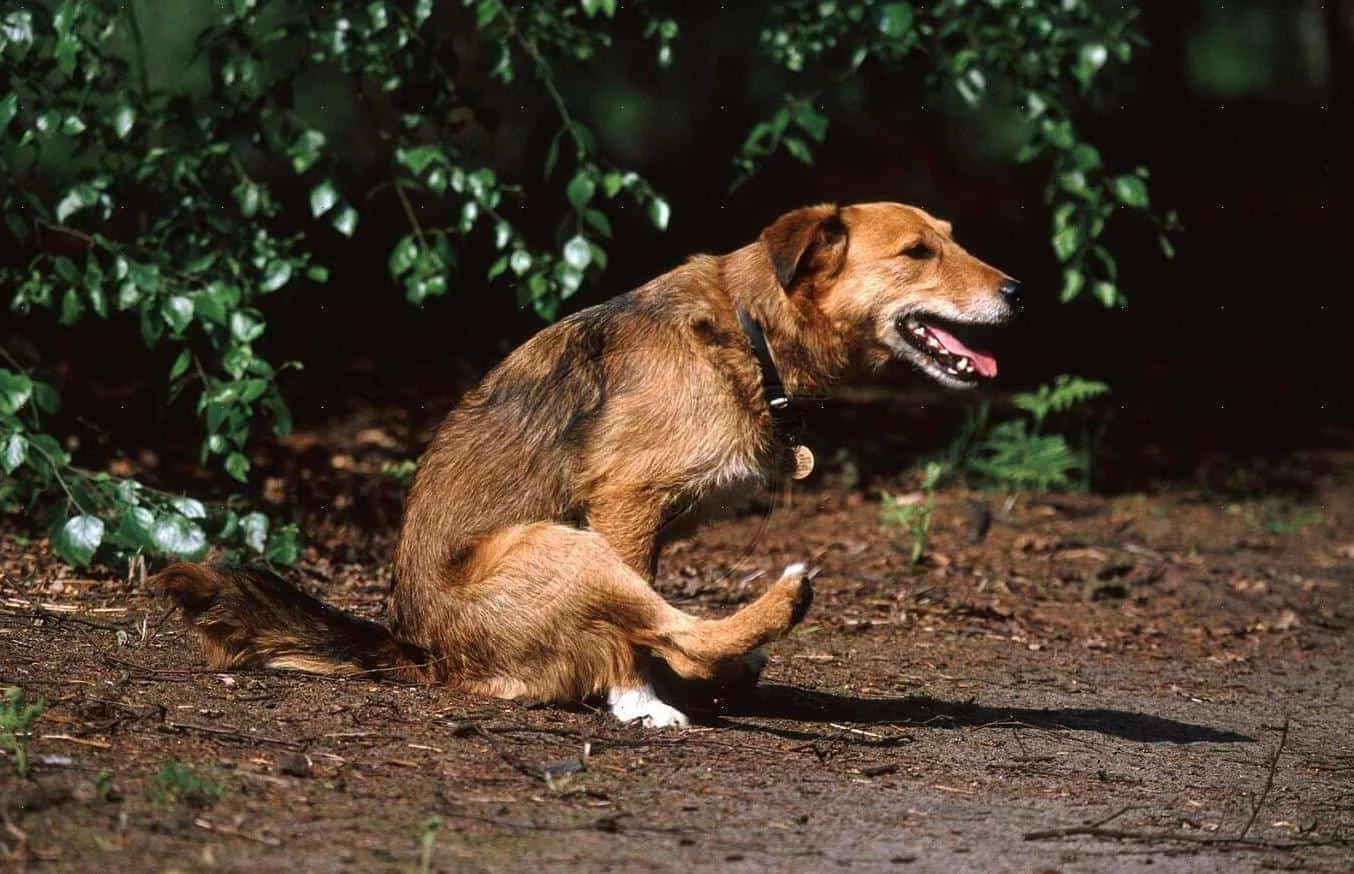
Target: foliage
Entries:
(1281, 518)
(182, 206)
(427, 842)
(913, 513)
(1015, 454)
(1038, 56)
(177, 784)
(16, 726)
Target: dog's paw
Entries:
(642, 705)
(796, 583)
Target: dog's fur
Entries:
(530, 535)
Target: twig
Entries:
(97, 744)
(39, 613)
(234, 734)
(205, 825)
(1093, 831)
(1269, 780)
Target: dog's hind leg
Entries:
(556, 614)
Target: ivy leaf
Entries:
(245, 327)
(895, 19)
(122, 119)
(180, 366)
(345, 221)
(581, 190)
(255, 531)
(178, 312)
(283, 545)
(78, 539)
(1130, 190)
(306, 150)
(659, 213)
(276, 275)
(13, 452)
(237, 465)
(177, 536)
(15, 390)
(577, 253)
(9, 107)
(190, 508)
(322, 198)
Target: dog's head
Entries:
(893, 282)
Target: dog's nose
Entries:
(1009, 289)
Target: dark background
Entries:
(1237, 349)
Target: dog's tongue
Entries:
(982, 362)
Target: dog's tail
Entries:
(248, 618)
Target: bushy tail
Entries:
(247, 618)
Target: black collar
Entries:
(777, 398)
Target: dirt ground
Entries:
(1158, 682)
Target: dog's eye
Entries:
(919, 251)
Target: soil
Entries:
(1159, 682)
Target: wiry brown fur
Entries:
(532, 528)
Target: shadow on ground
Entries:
(772, 701)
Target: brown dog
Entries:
(530, 536)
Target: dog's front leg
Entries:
(629, 521)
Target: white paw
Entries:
(640, 703)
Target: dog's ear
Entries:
(806, 242)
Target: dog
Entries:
(531, 533)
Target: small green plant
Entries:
(427, 840)
(913, 514)
(1280, 517)
(177, 784)
(104, 790)
(16, 726)
(400, 471)
(1016, 454)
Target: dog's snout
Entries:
(1009, 289)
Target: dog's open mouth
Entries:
(936, 340)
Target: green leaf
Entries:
(190, 508)
(276, 275)
(659, 213)
(895, 19)
(180, 366)
(520, 261)
(1073, 282)
(46, 397)
(122, 119)
(15, 390)
(1067, 242)
(322, 198)
(799, 149)
(245, 327)
(178, 312)
(255, 531)
(283, 545)
(577, 253)
(237, 465)
(403, 257)
(1130, 190)
(345, 221)
(1106, 293)
(9, 107)
(581, 190)
(598, 220)
(78, 539)
(79, 198)
(306, 150)
(177, 536)
(13, 451)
